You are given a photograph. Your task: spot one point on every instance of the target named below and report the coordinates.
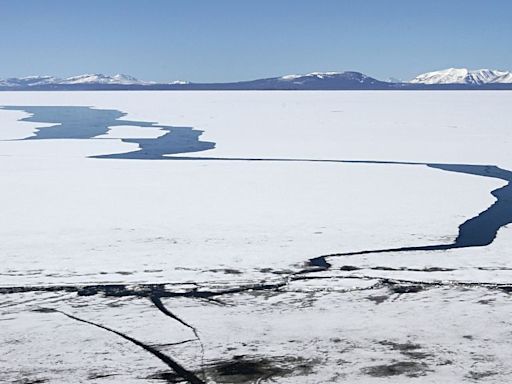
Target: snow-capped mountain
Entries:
(464, 76)
(28, 81)
(318, 76)
(315, 81)
(86, 79)
(329, 77)
(102, 79)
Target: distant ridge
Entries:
(464, 76)
(86, 79)
(448, 79)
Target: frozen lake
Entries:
(302, 237)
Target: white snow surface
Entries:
(131, 132)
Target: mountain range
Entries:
(452, 78)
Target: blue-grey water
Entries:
(88, 123)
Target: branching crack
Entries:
(171, 363)
(155, 299)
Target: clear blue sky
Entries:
(224, 40)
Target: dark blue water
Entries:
(478, 231)
(87, 123)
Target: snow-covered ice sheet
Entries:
(71, 220)
(81, 219)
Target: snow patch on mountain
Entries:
(318, 75)
(180, 82)
(312, 75)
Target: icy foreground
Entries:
(116, 264)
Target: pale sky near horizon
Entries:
(229, 40)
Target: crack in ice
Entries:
(171, 363)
